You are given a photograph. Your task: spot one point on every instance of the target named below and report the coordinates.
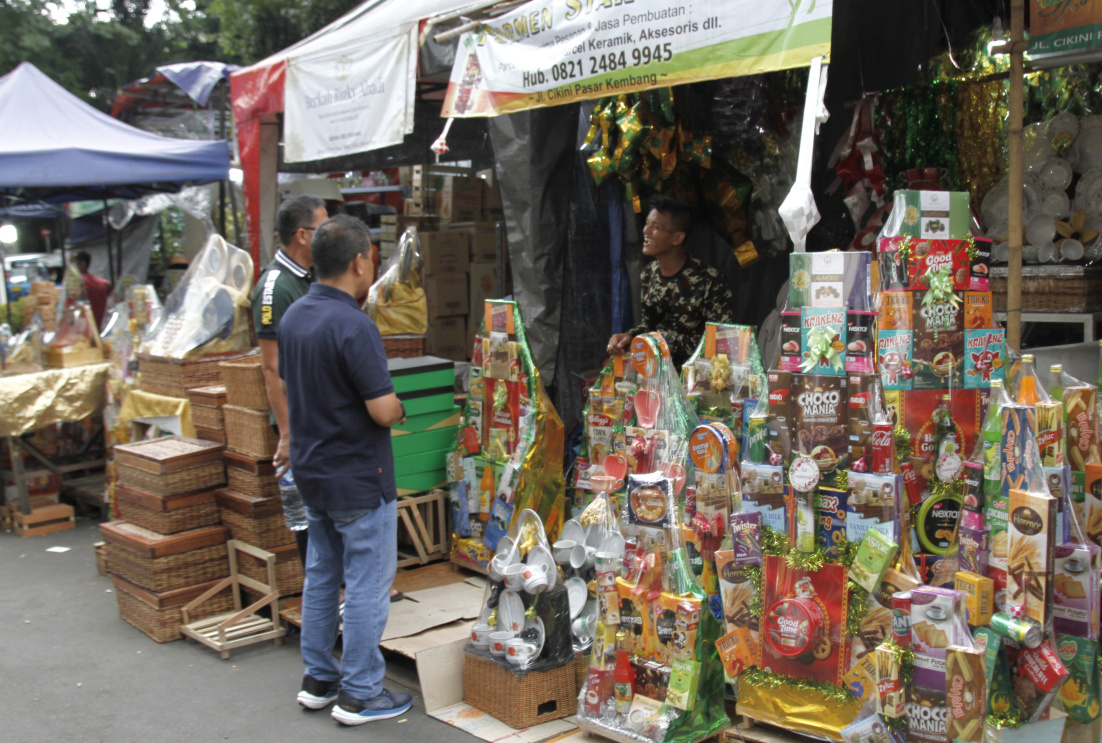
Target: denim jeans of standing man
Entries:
(359, 547)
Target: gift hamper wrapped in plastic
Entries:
(508, 456)
(396, 302)
(208, 311)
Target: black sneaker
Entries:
(351, 711)
(318, 694)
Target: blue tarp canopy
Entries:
(55, 147)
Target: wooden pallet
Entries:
(39, 522)
(747, 730)
(426, 528)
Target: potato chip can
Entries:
(901, 618)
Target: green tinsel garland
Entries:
(847, 552)
(897, 725)
(773, 542)
(856, 609)
(903, 446)
(768, 680)
(905, 657)
(841, 480)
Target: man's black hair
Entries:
(83, 257)
(295, 213)
(680, 213)
(337, 241)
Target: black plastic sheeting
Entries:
(533, 158)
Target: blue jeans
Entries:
(361, 547)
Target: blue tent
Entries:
(55, 147)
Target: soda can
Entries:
(883, 449)
(1021, 631)
(910, 483)
(757, 431)
(901, 618)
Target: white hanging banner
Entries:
(354, 100)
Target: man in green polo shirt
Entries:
(286, 279)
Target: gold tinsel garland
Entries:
(903, 446)
(768, 680)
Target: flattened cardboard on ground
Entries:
(433, 607)
(482, 725)
(438, 653)
(432, 626)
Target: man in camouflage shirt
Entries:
(680, 294)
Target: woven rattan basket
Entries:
(206, 476)
(249, 432)
(174, 377)
(244, 381)
(519, 701)
(404, 346)
(265, 532)
(158, 616)
(171, 571)
(170, 522)
(204, 417)
(1052, 289)
(258, 486)
(289, 573)
(581, 669)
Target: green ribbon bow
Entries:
(940, 282)
(820, 346)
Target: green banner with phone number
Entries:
(549, 52)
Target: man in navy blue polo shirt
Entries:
(341, 404)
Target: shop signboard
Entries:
(354, 99)
(550, 52)
(1063, 27)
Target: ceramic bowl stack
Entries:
(1060, 224)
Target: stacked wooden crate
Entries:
(426, 386)
(250, 504)
(169, 547)
(206, 412)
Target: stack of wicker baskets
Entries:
(251, 506)
(246, 413)
(206, 412)
(170, 546)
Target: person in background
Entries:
(341, 405)
(679, 293)
(96, 290)
(286, 279)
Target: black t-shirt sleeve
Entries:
(270, 300)
(366, 361)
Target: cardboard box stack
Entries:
(446, 257)
(169, 547)
(43, 299)
(393, 225)
(426, 386)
